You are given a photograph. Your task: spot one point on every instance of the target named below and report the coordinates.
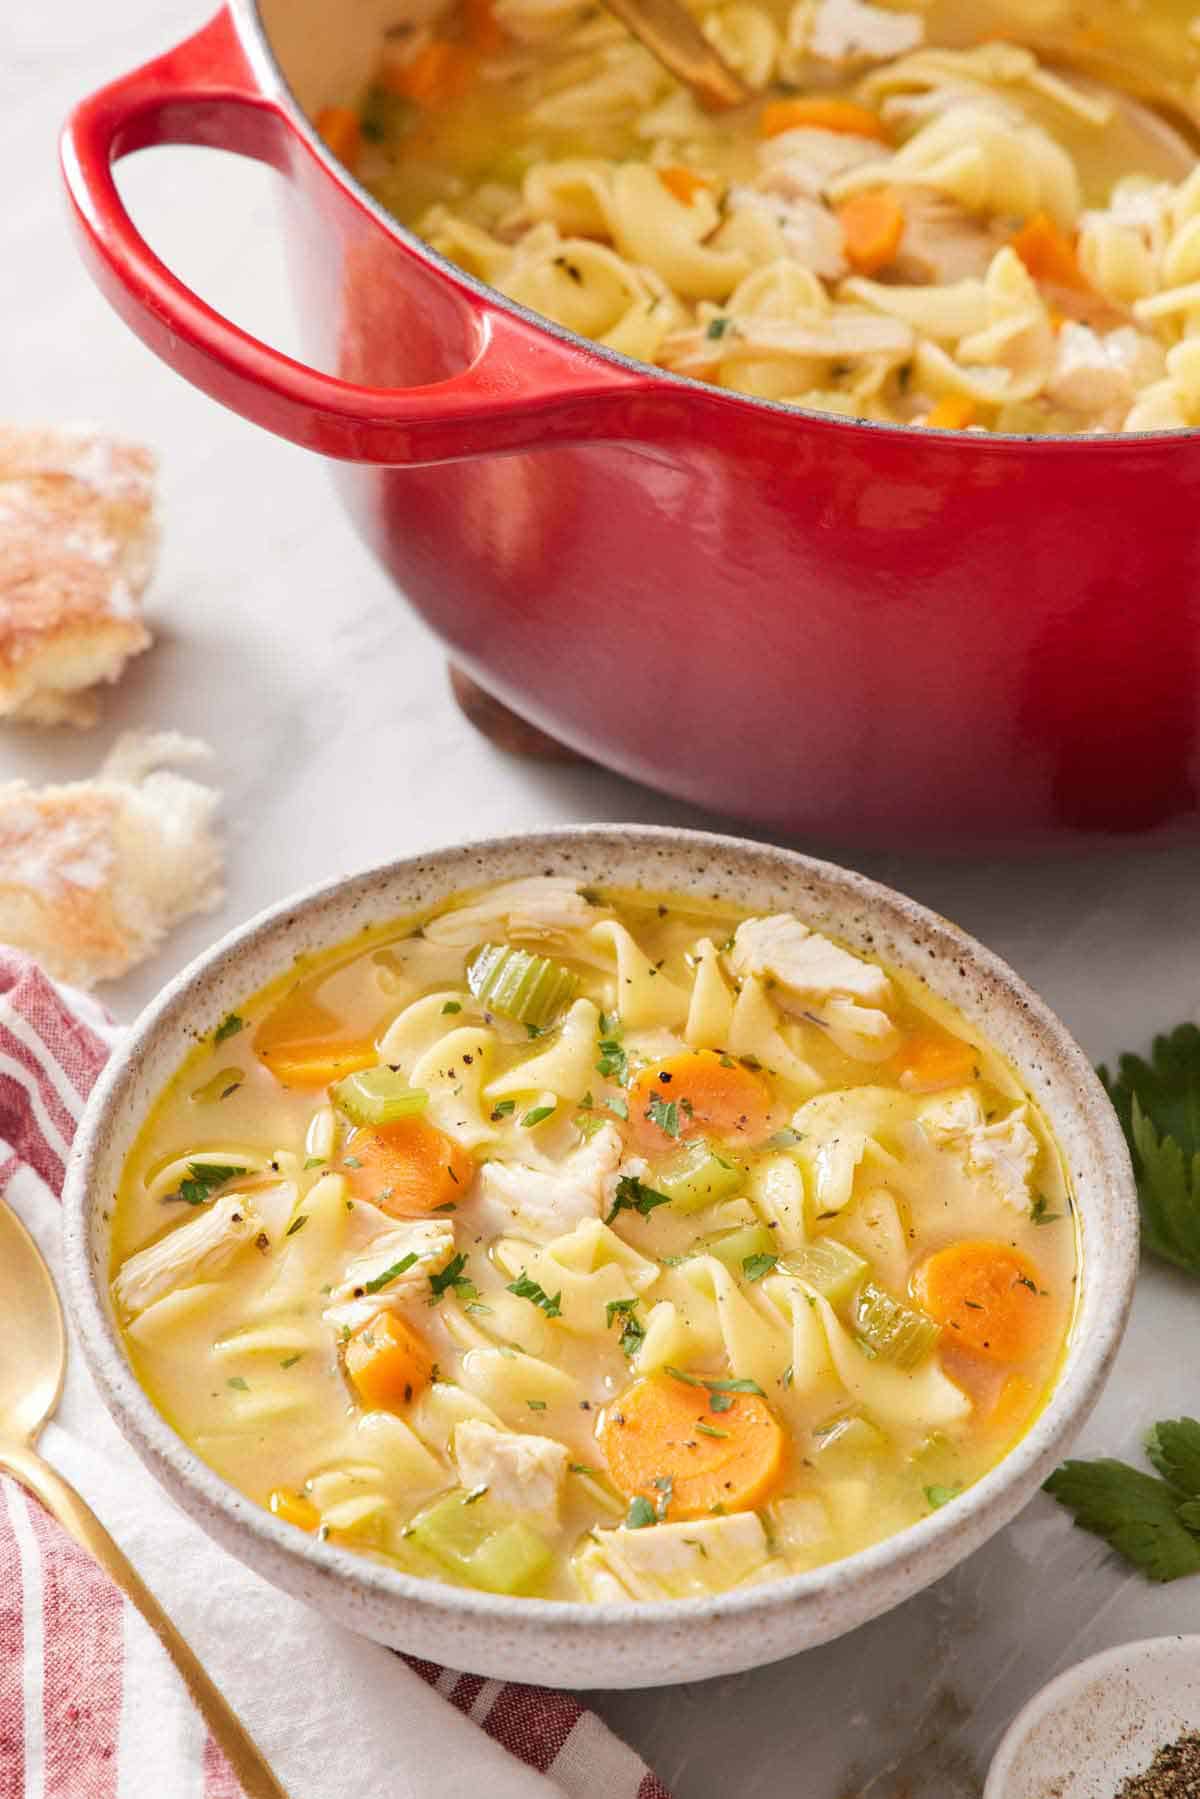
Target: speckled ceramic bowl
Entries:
(1100, 1722)
(619, 1645)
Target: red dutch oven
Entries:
(879, 634)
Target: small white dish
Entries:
(1099, 1723)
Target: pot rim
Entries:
(974, 1516)
(256, 42)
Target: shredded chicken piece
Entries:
(942, 241)
(545, 906)
(431, 1242)
(191, 1252)
(677, 1561)
(804, 964)
(525, 1472)
(855, 31)
(551, 1200)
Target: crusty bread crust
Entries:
(77, 544)
(94, 873)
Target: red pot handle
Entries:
(523, 387)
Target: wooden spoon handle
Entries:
(65, 1504)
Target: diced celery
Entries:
(510, 1560)
(530, 989)
(699, 1177)
(847, 1440)
(377, 1096)
(464, 1534)
(738, 1246)
(897, 1332)
(828, 1266)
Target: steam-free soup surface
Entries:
(596, 1245)
(917, 219)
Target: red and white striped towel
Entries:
(90, 1708)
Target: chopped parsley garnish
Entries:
(1151, 1520)
(632, 1196)
(613, 1063)
(720, 1392)
(229, 1026)
(665, 1114)
(452, 1277)
(389, 1274)
(618, 1106)
(717, 327)
(1039, 1211)
(710, 1430)
(503, 1108)
(235, 1380)
(314, 1162)
(203, 1179)
(298, 1223)
(524, 1288)
(451, 1005)
(640, 1514)
(581, 1468)
(289, 1361)
(939, 1496)
(633, 1332)
(536, 1405)
(535, 1115)
(754, 1267)
(1158, 1103)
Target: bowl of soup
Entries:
(611, 1257)
(813, 463)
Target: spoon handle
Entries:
(65, 1504)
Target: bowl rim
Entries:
(256, 41)
(981, 1510)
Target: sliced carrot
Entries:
(442, 71)
(709, 1092)
(316, 1064)
(953, 412)
(872, 226)
(685, 184)
(484, 31)
(388, 1362)
(930, 1060)
(1049, 254)
(820, 114)
(408, 1168)
(340, 129)
(294, 1508)
(651, 1436)
(987, 1294)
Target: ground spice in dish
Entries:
(1173, 1774)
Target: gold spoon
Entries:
(33, 1360)
(671, 34)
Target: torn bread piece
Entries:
(94, 873)
(77, 546)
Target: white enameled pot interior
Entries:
(576, 1644)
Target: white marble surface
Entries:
(336, 745)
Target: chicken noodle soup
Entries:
(904, 232)
(596, 1244)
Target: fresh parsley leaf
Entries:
(613, 1063)
(640, 1514)
(524, 1288)
(536, 1405)
(289, 1361)
(314, 1162)
(229, 1027)
(720, 1402)
(744, 1385)
(717, 327)
(1136, 1514)
(664, 1113)
(452, 1277)
(1173, 1445)
(940, 1496)
(1158, 1104)
(709, 1430)
(535, 1115)
(633, 1332)
(503, 1108)
(389, 1274)
(580, 1468)
(203, 1179)
(632, 1196)
(1039, 1211)
(236, 1381)
(451, 1005)
(618, 1107)
(587, 1124)
(754, 1267)
(298, 1223)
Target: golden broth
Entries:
(556, 1325)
